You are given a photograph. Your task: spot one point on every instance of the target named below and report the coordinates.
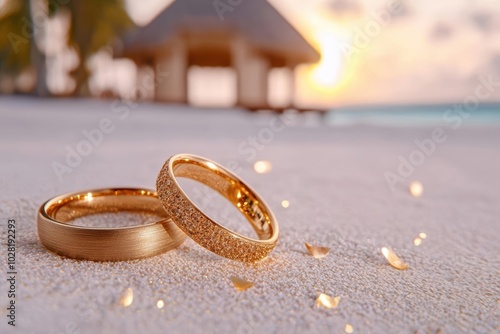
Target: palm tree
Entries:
(94, 24)
(15, 41)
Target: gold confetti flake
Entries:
(317, 251)
(416, 188)
(160, 304)
(127, 298)
(418, 240)
(349, 328)
(393, 259)
(240, 284)
(285, 203)
(262, 167)
(326, 301)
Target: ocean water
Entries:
(437, 115)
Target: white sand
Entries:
(333, 178)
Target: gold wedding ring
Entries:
(202, 228)
(106, 244)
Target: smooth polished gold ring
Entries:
(204, 230)
(106, 244)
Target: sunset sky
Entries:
(426, 51)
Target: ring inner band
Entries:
(232, 189)
(108, 201)
(57, 232)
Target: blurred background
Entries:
(318, 54)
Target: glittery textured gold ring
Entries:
(58, 234)
(204, 230)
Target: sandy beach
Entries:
(336, 181)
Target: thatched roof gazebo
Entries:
(249, 35)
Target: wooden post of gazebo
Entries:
(252, 72)
(174, 60)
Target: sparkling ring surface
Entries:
(204, 230)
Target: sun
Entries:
(332, 78)
(328, 72)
